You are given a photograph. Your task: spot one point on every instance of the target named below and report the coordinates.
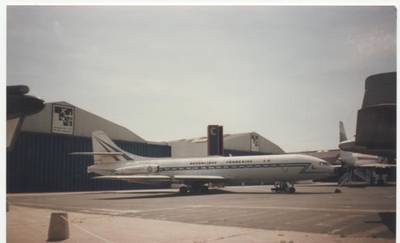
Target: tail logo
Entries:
(107, 147)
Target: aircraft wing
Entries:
(198, 178)
(159, 178)
(135, 178)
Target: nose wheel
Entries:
(283, 186)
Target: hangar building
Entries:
(40, 162)
(234, 144)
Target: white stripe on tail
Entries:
(105, 151)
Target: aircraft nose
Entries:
(328, 169)
(337, 171)
(332, 170)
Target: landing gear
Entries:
(183, 189)
(194, 189)
(283, 186)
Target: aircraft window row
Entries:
(239, 161)
(230, 167)
(203, 163)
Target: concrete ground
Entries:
(232, 214)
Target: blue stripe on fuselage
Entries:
(242, 166)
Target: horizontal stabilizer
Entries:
(96, 153)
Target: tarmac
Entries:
(232, 214)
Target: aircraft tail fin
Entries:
(342, 132)
(105, 151)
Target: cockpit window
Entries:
(323, 163)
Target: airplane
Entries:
(352, 162)
(197, 174)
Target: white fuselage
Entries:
(263, 168)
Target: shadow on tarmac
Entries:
(387, 219)
(163, 194)
(357, 185)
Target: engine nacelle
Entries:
(138, 169)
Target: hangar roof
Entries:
(65, 118)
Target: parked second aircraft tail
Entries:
(342, 132)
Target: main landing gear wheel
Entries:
(183, 189)
(283, 187)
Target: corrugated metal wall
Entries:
(40, 162)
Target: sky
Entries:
(288, 73)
